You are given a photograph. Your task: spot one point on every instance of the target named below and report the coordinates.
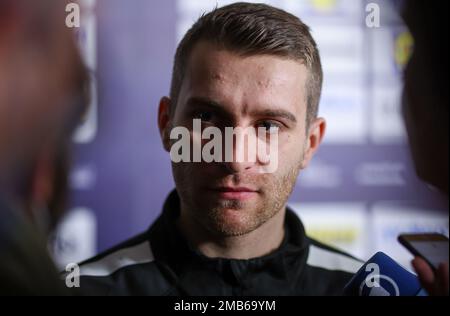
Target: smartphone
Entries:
(433, 248)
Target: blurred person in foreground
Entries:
(425, 110)
(42, 87)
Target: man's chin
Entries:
(231, 222)
(217, 205)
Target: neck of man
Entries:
(260, 242)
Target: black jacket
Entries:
(160, 262)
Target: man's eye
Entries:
(270, 127)
(204, 116)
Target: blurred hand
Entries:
(435, 283)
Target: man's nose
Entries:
(238, 167)
(239, 156)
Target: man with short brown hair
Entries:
(226, 229)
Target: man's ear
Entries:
(315, 136)
(164, 121)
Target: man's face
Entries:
(224, 89)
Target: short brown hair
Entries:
(254, 29)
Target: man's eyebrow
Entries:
(277, 113)
(205, 102)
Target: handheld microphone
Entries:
(382, 276)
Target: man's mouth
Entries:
(235, 193)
